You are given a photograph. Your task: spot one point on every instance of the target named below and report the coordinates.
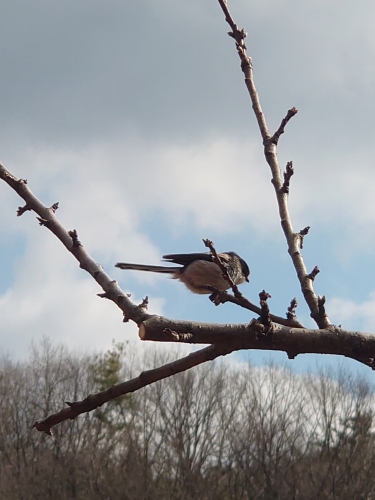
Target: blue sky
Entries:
(135, 117)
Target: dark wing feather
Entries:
(187, 258)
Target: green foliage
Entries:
(107, 370)
(106, 367)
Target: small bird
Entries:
(198, 270)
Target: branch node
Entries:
(54, 207)
(301, 235)
(246, 64)
(312, 275)
(291, 312)
(74, 235)
(177, 337)
(265, 317)
(43, 222)
(321, 303)
(22, 210)
(289, 171)
(43, 427)
(144, 303)
(239, 36)
(292, 355)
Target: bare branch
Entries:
(332, 340)
(313, 273)
(209, 244)
(148, 377)
(265, 317)
(70, 240)
(270, 150)
(289, 171)
(276, 136)
(242, 301)
(302, 234)
(291, 313)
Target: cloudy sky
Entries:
(135, 117)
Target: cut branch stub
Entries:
(144, 303)
(239, 35)
(313, 273)
(74, 235)
(43, 222)
(289, 171)
(291, 313)
(302, 234)
(22, 210)
(265, 317)
(178, 337)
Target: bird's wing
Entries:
(187, 258)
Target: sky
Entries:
(134, 116)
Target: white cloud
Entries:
(142, 150)
(352, 314)
(51, 297)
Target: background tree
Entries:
(217, 431)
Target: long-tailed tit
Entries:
(198, 270)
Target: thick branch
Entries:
(332, 340)
(228, 338)
(148, 377)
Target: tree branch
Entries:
(69, 239)
(332, 340)
(270, 151)
(228, 338)
(148, 377)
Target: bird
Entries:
(198, 271)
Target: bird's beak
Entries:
(247, 279)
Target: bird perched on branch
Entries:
(198, 270)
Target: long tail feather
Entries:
(145, 267)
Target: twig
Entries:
(224, 269)
(242, 301)
(289, 171)
(276, 136)
(291, 313)
(265, 317)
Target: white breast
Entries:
(201, 273)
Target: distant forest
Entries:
(218, 431)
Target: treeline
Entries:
(215, 432)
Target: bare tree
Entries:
(268, 332)
(233, 432)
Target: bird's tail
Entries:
(145, 267)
